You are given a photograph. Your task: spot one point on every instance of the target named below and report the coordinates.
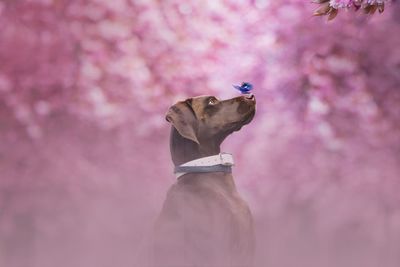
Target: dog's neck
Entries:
(184, 150)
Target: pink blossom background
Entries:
(84, 155)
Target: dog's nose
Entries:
(250, 97)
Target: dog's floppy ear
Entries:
(182, 117)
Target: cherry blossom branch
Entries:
(331, 8)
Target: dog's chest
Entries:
(212, 210)
(210, 223)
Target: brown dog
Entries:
(204, 221)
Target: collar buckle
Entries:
(226, 159)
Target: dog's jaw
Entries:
(246, 120)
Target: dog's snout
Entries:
(250, 97)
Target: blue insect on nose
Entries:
(244, 88)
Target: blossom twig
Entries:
(331, 8)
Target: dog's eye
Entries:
(212, 101)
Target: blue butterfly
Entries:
(245, 88)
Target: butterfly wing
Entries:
(244, 88)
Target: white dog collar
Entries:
(222, 162)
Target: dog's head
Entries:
(205, 117)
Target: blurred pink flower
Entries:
(341, 3)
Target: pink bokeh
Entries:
(84, 157)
